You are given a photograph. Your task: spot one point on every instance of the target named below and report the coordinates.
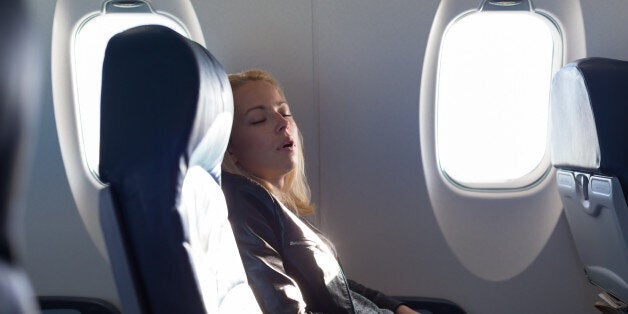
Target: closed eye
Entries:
(258, 122)
(284, 109)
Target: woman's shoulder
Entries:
(231, 181)
(244, 195)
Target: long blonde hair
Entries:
(296, 196)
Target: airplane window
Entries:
(88, 51)
(492, 99)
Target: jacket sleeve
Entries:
(255, 224)
(380, 299)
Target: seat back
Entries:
(166, 114)
(17, 88)
(589, 118)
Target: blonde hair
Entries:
(296, 196)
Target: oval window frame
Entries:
(542, 170)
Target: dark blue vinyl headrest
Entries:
(12, 111)
(166, 105)
(19, 96)
(589, 117)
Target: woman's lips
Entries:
(287, 146)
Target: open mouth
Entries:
(287, 145)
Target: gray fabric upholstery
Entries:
(573, 138)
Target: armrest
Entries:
(433, 305)
(75, 305)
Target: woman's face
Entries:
(264, 137)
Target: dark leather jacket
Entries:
(289, 265)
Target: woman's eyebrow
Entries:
(260, 107)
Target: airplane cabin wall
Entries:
(605, 28)
(351, 70)
(367, 58)
(275, 36)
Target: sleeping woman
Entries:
(290, 265)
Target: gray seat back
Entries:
(589, 126)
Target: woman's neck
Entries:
(277, 185)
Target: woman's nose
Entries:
(282, 123)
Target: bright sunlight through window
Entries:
(492, 101)
(90, 41)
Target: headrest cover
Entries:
(589, 116)
(574, 139)
(212, 126)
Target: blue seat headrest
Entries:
(589, 117)
(161, 94)
(19, 98)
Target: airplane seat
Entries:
(166, 114)
(589, 124)
(16, 108)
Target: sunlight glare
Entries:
(493, 97)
